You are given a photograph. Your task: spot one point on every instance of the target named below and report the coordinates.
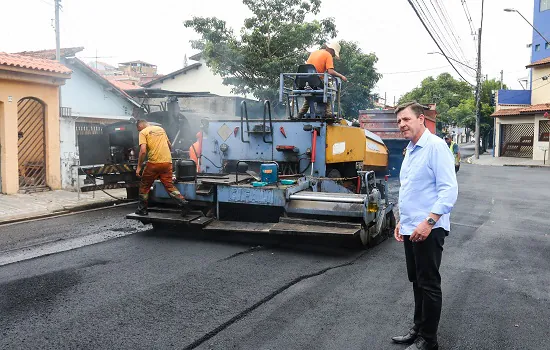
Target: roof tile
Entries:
(539, 62)
(529, 110)
(50, 54)
(40, 64)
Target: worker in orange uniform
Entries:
(154, 143)
(195, 150)
(323, 60)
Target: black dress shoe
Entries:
(408, 338)
(421, 344)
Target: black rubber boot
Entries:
(142, 208)
(182, 203)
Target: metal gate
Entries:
(517, 140)
(31, 144)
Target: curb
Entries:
(72, 210)
(528, 166)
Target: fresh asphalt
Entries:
(164, 290)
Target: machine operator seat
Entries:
(314, 80)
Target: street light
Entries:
(436, 52)
(519, 13)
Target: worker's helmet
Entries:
(336, 47)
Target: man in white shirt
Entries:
(427, 195)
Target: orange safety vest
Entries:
(195, 152)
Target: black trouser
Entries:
(423, 261)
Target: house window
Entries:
(544, 5)
(547, 46)
(537, 47)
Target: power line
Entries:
(442, 39)
(435, 41)
(469, 17)
(448, 25)
(416, 71)
(435, 26)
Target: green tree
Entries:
(358, 67)
(445, 91)
(464, 113)
(272, 41)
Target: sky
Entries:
(153, 31)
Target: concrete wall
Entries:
(200, 79)
(11, 91)
(514, 97)
(541, 88)
(541, 21)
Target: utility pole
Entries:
(501, 79)
(57, 42)
(478, 95)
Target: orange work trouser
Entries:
(162, 171)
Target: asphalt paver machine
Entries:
(310, 174)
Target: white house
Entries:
(196, 77)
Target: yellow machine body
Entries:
(351, 144)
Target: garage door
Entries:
(517, 140)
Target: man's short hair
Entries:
(448, 137)
(416, 107)
(141, 122)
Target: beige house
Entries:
(29, 123)
(522, 130)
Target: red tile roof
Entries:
(124, 85)
(539, 62)
(529, 110)
(543, 107)
(504, 112)
(50, 54)
(40, 64)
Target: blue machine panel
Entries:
(229, 135)
(187, 189)
(251, 195)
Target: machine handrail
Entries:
(244, 114)
(267, 108)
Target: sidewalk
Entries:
(488, 159)
(18, 207)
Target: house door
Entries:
(31, 144)
(517, 140)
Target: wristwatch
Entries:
(431, 221)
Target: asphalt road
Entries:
(169, 291)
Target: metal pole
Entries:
(478, 95)
(57, 41)
(495, 119)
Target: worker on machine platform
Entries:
(154, 143)
(323, 61)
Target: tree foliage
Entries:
(445, 91)
(273, 40)
(359, 68)
(464, 114)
